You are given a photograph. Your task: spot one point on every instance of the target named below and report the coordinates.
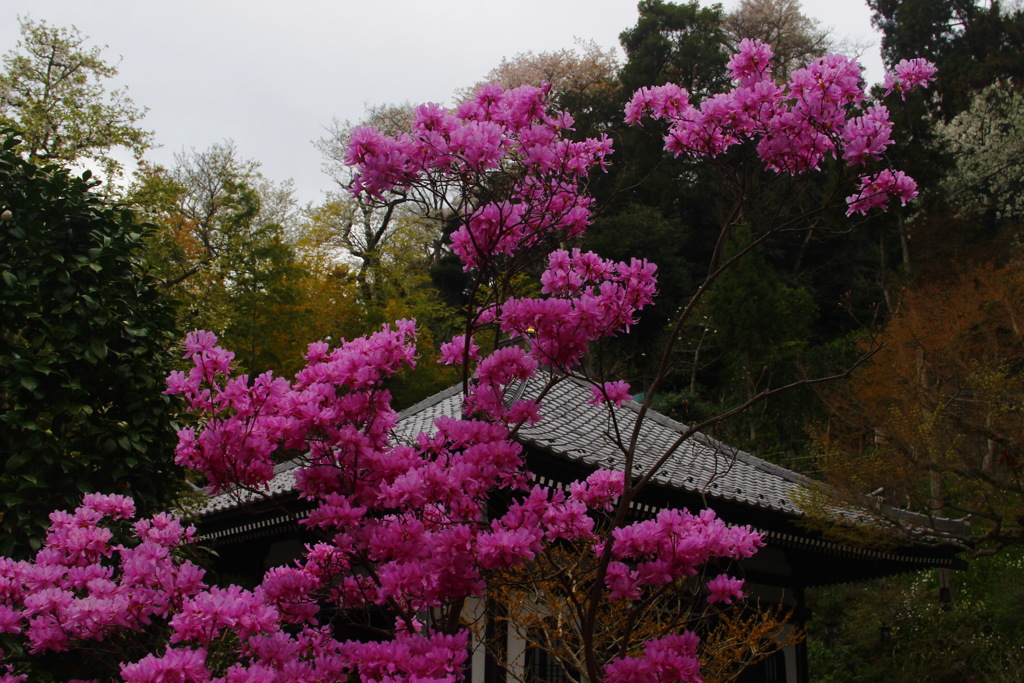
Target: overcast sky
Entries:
(272, 74)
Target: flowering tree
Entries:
(411, 530)
(985, 141)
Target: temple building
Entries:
(572, 439)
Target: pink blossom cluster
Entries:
(408, 522)
(82, 586)
(513, 134)
(673, 545)
(436, 659)
(584, 298)
(313, 654)
(669, 659)
(247, 422)
(496, 132)
(600, 490)
(587, 298)
(409, 509)
(494, 373)
(616, 393)
(543, 515)
(908, 75)
(724, 588)
(796, 126)
(875, 190)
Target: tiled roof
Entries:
(572, 428)
(282, 483)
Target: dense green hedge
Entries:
(84, 347)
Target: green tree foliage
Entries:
(898, 630)
(644, 232)
(360, 288)
(682, 44)
(660, 206)
(973, 43)
(223, 249)
(364, 235)
(760, 327)
(681, 215)
(957, 136)
(397, 254)
(83, 353)
(330, 289)
(266, 297)
(363, 232)
(54, 91)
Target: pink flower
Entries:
(409, 657)
(752, 63)
(164, 529)
(725, 589)
(876, 190)
(599, 490)
(456, 353)
(622, 582)
(183, 665)
(867, 137)
(659, 102)
(507, 547)
(199, 342)
(208, 613)
(114, 506)
(616, 393)
(669, 658)
(909, 74)
(10, 620)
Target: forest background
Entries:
(933, 292)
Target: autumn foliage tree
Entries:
(932, 423)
